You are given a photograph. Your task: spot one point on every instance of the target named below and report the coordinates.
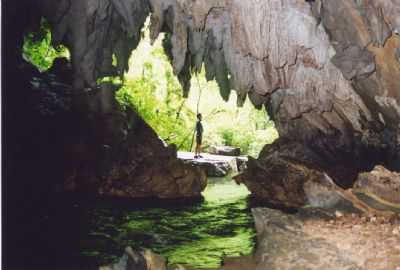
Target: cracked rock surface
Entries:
(314, 240)
(327, 71)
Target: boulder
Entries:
(314, 239)
(279, 179)
(381, 185)
(138, 166)
(214, 168)
(225, 150)
(283, 244)
(213, 165)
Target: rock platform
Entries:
(214, 165)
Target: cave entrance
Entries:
(151, 88)
(222, 225)
(198, 235)
(154, 91)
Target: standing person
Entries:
(199, 136)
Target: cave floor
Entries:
(372, 242)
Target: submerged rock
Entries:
(138, 260)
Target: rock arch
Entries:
(326, 71)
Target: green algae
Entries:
(199, 235)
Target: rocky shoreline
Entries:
(334, 229)
(310, 239)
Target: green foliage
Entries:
(225, 124)
(249, 139)
(227, 136)
(37, 48)
(166, 114)
(153, 91)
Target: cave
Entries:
(325, 71)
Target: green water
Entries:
(198, 235)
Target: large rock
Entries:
(213, 165)
(380, 184)
(283, 244)
(225, 150)
(277, 178)
(141, 166)
(104, 151)
(296, 183)
(312, 239)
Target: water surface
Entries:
(198, 235)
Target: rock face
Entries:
(278, 179)
(284, 244)
(140, 167)
(326, 70)
(98, 149)
(95, 31)
(313, 240)
(351, 136)
(295, 185)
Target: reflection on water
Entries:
(198, 235)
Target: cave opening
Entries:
(150, 88)
(199, 235)
(78, 168)
(196, 235)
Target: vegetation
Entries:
(38, 50)
(153, 90)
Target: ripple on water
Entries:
(198, 235)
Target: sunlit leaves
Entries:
(154, 91)
(37, 48)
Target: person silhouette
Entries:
(199, 136)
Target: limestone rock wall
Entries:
(314, 239)
(326, 70)
(95, 30)
(65, 129)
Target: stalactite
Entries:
(326, 70)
